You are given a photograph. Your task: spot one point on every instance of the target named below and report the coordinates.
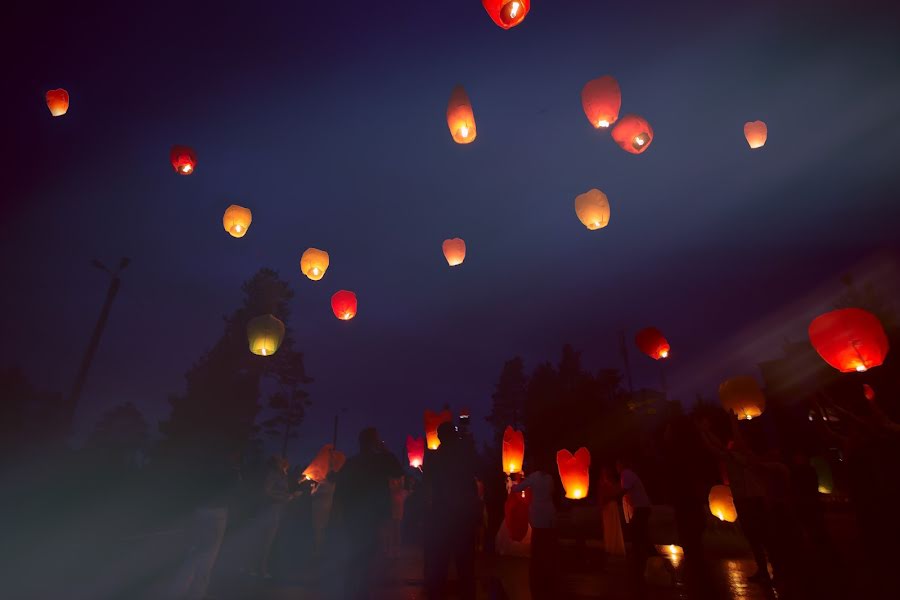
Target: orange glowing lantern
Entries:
(868, 392)
(633, 134)
(651, 342)
(432, 422)
(592, 208)
(57, 102)
(460, 117)
(674, 553)
(454, 251)
(515, 514)
(574, 472)
(507, 13)
(513, 450)
(601, 99)
(742, 396)
(265, 333)
(237, 220)
(849, 339)
(343, 303)
(314, 263)
(322, 463)
(721, 503)
(756, 133)
(415, 451)
(183, 159)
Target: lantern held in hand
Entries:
(265, 333)
(322, 463)
(574, 471)
(432, 422)
(461, 117)
(415, 451)
(183, 159)
(592, 208)
(601, 99)
(343, 303)
(651, 342)
(633, 134)
(721, 503)
(756, 133)
(849, 339)
(57, 102)
(236, 220)
(314, 263)
(513, 450)
(742, 396)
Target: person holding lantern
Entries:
(636, 506)
(542, 568)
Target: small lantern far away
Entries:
(265, 333)
(314, 263)
(507, 13)
(601, 100)
(57, 102)
(849, 339)
(592, 208)
(461, 117)
(454, 251)
(633, 134)
(574, 472)
(513, 450)
(721, 503)
(823, 474)
(343, 303)
(322, 463)
(868, 392)
(651, 342)
(237, 220)
(742, 396)
(415, 451)
(433, 420)
(183, 159)
(756, 133)
(515, 514)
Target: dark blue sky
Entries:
(327, 120)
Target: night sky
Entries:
(327, 119)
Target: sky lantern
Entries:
(574, 472)
(721, 503)
(823, 473)
(651, 342)
(633, 134)
(415, 451)
(460, 117)
(57, 102)
(601, 99)
(592, 208)
(515, 514)
(849, 339)
(756, 133)
(314, 263)
(432, 422)
(265, 333)
(513, 450)
(343, 303)
(507, 13)
(322, 463)
(237, 220)
(183, 159)
(868, 392)
(454, 251)
(742, 396)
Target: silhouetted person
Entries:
(608, 499)
(276, 495)
(807, 506)
(452, 515)
(543, 566)
(362, 505)
(321, 503)
(635, 502)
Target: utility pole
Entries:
(95, 337)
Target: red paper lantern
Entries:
(183, 159)
(849, 339)
(432, 422)
(415, 451)
(57, 102)
(574, 472)
(515, 514)
(454, 251)
(633, 134)
(869, 392)
(651, 342)
(513, 450)
(601, 99)
(507, 13)
(343, 303)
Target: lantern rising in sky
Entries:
(756, 133)
(415, 451)
(237, 220)
(343, 303)
(633, 134)
(721, 503)
(265, 333)
(432, 422)
(183, 159)
(57, 102)
(454, 251)
(601, 100)
(513, 450)
(742, 396)
(314, 263)
(592, 208)
(507, 13)
(651, 342)
(461, 117)
(849, 339)
(574, 472)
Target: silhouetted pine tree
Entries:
(508, 399)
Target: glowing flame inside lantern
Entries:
(860, 368)
(602, 123)
(186, 169)
(464, 131)
(512, 13)
(640, 140)
(664, 354)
